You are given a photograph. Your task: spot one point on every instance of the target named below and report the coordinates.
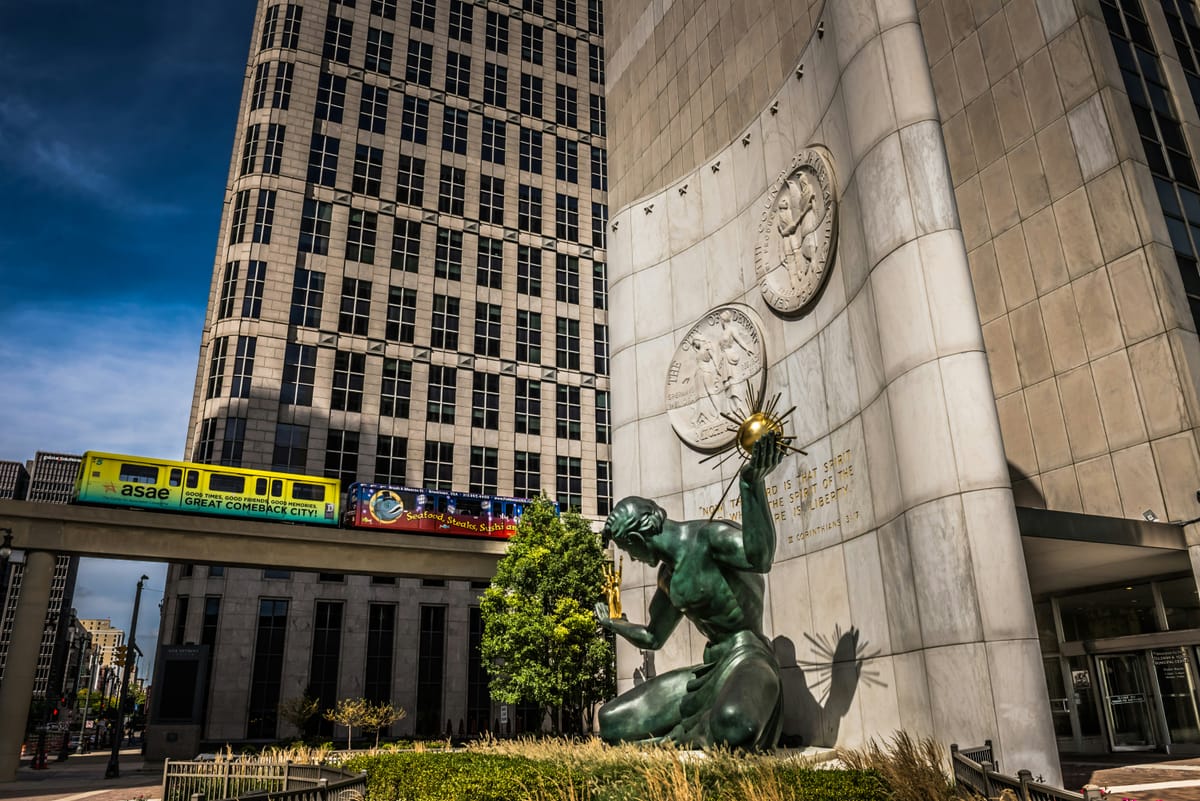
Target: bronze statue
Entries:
(711, 571)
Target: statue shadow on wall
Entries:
(817, 692)
(646, 670)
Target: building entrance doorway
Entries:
(1125, 689)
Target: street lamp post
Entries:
(114, 760)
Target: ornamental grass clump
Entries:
(910, 769)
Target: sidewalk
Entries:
(82, 777)
(1135, 776)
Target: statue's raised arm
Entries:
(753, 547)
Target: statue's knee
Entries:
(735, 727)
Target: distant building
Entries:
(14, 481)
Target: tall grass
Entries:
(912, 769)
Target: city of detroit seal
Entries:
(797, 233)
(719, 368)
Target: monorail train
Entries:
(135, 481)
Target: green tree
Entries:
(540, 635)
(351, 713)
(298, 710)
(381, 715)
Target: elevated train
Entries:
(134, 481)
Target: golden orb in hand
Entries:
(755, 427)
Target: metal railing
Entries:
(975, 769)
(262, 781)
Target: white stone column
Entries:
(17, 687)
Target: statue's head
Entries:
(632, 523)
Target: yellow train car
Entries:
(119, 480)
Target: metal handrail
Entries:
(984, 778)
(198, 781)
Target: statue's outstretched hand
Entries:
(764, 457)
(602, 616)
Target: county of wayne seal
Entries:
(719, 368)
(797, 234)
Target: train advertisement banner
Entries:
(397, 509)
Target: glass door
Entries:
(1177, 687)
(1125, 689)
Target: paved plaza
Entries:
(82, 777)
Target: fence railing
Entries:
(262, 781)
(976, 769)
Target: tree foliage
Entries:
(298, 710)
(380, 716)
(351, 713)
(540, 636)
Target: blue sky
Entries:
(116, 127)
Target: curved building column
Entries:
(16, 690)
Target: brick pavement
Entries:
(1135, 776)
(81, 778)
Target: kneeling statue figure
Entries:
(710, 571)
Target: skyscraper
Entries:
(409, 288)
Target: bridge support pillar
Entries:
(16, 690)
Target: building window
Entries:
(234, 442)
(442, 393)
(360, 236)
(447, 255)
(258, 93)
(568, 412)
(228, 290)
(372, 111)
(452, 190)
(410, 181)
(267, 671)
(595, 63)
(564, 12)
(391, 460)
(338, 33)
(237, 220)
(599, 285)
(530, 151)
(595, 14)
(496, 35)
(273, 153)
(485, 401)
(291, 26)
(566, 278)
(354, 314)
(531, 43)
(315, 222)
(216, 367)
(596, 115)
(323, 661)
(462, 19)
(341, 455)
(454, 131)
(250, 149)
(348, 374)
(491, 200)
(381, 633)
(414, 123)
(431, 656)
(423, 14)
(529, 406)
(495, 85)
(323, 160)
(527, 474)
(484, 465)
(270, 23)
(384, 8)
(531, 95)
(308, 292)
(492, 142)
(570, 482)
(291, 448)
(256, 273)
(565, 51)
(566, 217)
(331, 97)
(529, 208)
(439, 465)
(299, 374)
(264, 216)
(603, 488)
(599, 225)
(479, 700)
(379, 51)
(406, 245)
(489, 271)
(529, 270)
(487, 329)
(419, 68)
(368, 170)
(281, 98)
(600, 343)
(599, 169)
(603, 425)
(529, 336)
(565, 112)
(181, 610)
(566, 345)
(401, 315)
(243, 367)
(566, 160)
(458, 74)
(444, 329)
(396, 389)
(203, 451)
